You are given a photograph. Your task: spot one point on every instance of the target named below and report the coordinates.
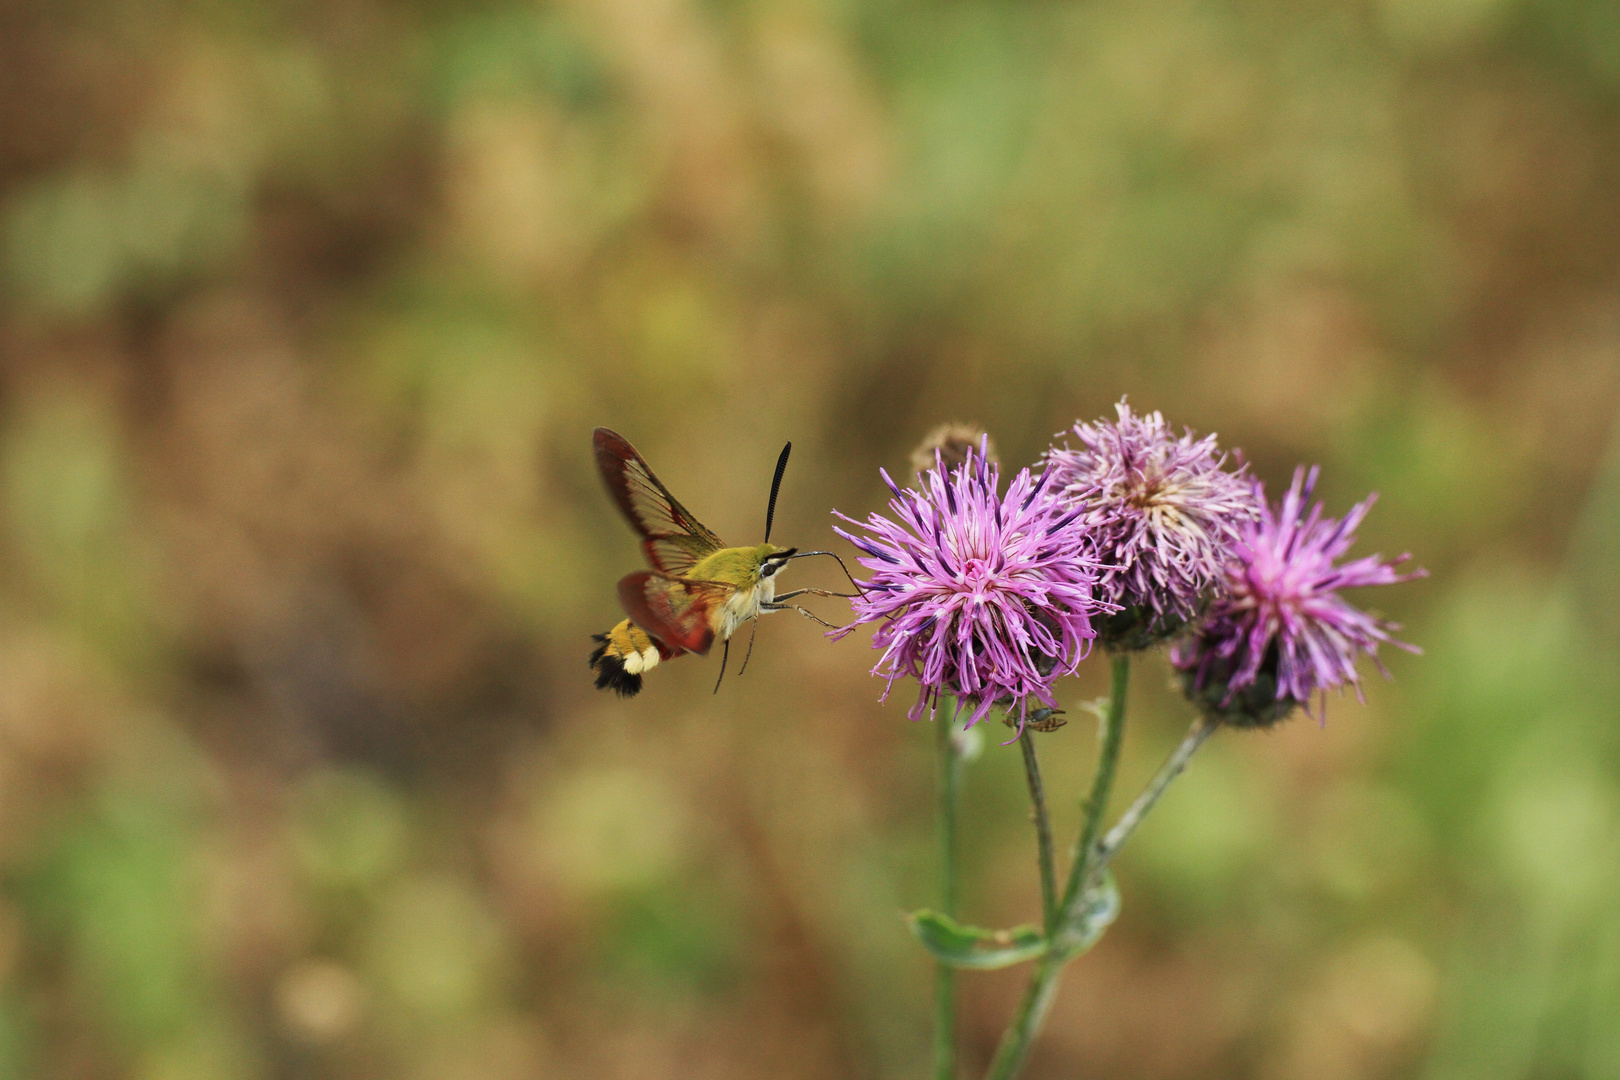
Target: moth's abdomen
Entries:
(623, 655)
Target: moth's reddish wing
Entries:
(679, 612)
(673, 539)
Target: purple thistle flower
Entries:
(1164, 512)
(1282, 633)
(984, 596)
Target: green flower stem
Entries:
(1043, 981)
(1173, 766)
(1043, 833)
(1112, 737)
(1020, 1036)
(950, 782)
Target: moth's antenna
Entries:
(776, 485)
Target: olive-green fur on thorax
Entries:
(739, 566)
(743, 569)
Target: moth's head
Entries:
(772, 558)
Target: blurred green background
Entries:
(307, 310)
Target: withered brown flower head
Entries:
(952, 441)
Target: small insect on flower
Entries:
(1164, 511)
(698, 589)
(1282, 633)
(981, 595)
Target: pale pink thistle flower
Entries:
(1164, 511)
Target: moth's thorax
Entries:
(737, 566)
(743, 568)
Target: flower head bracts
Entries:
(1164, 512)
(984, 596)
(1282, 633)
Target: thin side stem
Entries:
(1112, 737)
(950, 782)
(1043, 833)
(1173, 767)
(1043, 981)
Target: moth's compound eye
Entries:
(770, 568)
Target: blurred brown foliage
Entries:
(307, 311)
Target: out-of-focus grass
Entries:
(306, 312)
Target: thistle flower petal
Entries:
(982, 595)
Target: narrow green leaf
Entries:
(949, 942)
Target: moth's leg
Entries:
(841, 566)
(753, 632)
(724, 656)
(816, 592)
(795, 607)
